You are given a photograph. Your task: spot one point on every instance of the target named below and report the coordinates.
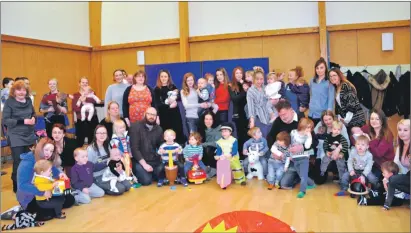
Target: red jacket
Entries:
(222, 98)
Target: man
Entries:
(145, 137)
(128, 79)
(287, 120)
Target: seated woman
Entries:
(113, 114)
(321, 129)
(98, 152)
(26, 191)
(64, 147)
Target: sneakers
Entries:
(243, 183)
(277, 186)
(270, 186)
(184, 181)
(340, 193)
(160, 183)
(10, 213)
(362, 200)
(300, 194)
(311, 186)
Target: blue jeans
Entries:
(301, 167)
(263, 161)
(188, 165)
(275, 171)
(291, 177)
(222, 116)
(146, 178)
(192, 124)
(345, 180)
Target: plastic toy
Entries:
(357, 187)
(196, 175)
(171, 169)
(254, 165)
(223, 173)
(63, 188)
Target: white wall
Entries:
(65, 22)
(124, 22)
(363, 12)
(209, 18)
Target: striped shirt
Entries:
(257, 104)
(167, 147)
(331, 143)
(190, 151)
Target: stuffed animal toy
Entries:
(22, 220)
(172, 97)
(254, 165)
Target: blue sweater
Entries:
(262, 145)
(322, 97)
(26, 191)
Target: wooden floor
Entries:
(152, 209)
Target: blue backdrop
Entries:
(177, 71)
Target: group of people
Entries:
(130, 146)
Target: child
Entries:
(300, 87)
(279, 159)
(176, 150)
(249, 78)
(359, 164)
(89, 106)
(280, 78)
(7, 83)
(336, 148)
(303, 137)
(193, 149)
(227, 148)
(57, 104)
(115, 170)
(383, 196)
(122, 142)
(204, 91)
(272, 92)
(252, 143)
(210, 86)
(44, 183)
(82, 177)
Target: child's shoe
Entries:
(362, 200)
(166, 182)
(270, 186)
(184, 181)
(160, 183)
(61, 216)
(341, 193)
(311, 186)
(277, 185)
(300, 194)
(243, 183)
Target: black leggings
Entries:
(314, 171)
(44, 214)
(15, 153)
(208, 156)
(85, 129)
(241, 124)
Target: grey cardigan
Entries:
(14, 113)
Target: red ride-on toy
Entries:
(196, 175)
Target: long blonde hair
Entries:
(108, 118)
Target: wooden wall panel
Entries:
(288, 51)
(40, 64)
(344, 47)
(369, 47)
(127, 59)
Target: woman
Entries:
(26, 192)
(27, 82)
(64, 147)
(98, 152)
(19, 118)
(324, 127)
(116, 90)
(189, 97)
(169, 114)
(239, 97)
(348, 106)
(322, 93)
(222, 96)
(259, 114)
(84, 129)
(210, 133)
(46, 107)
(137, 98)
(112, 115)
(382, 142)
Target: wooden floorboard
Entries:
(152, 209)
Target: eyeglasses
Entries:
(151, 114)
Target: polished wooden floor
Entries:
(152, 209)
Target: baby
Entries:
(88, 106)
(59, 102)
(248, 79)
(279, 160)
(115, 170)
(272, 91)
(204, 90)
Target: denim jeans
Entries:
(192, 124)
(146, 178)
(188, 165)
(222, 116)
(345, 180)
(301, 167)
(263, 161)
(275, 171)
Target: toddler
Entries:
(335, 148)
(302, 136)
(88, 106)
(256, 140)
(280, 158)
(82, 177)
(359, 164)
(300, 87)
(7, 83)
(248, 78)
(227, 148)
(115, 170)
(44, 183)
(192, 150)
(204, 90)
(176, 150)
